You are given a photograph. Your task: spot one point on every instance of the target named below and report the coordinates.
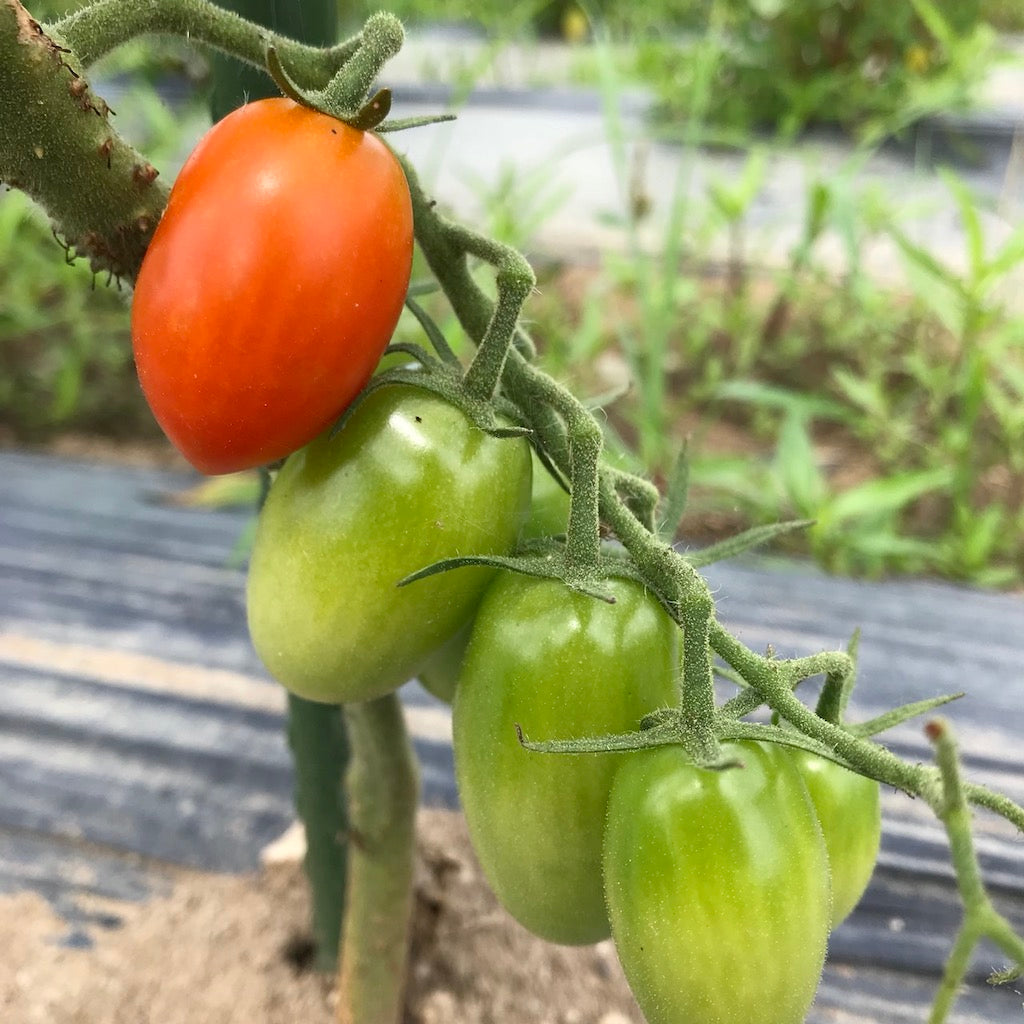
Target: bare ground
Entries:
(228, 950)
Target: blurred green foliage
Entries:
(870, 65)
(1004, 15)
(65, 356)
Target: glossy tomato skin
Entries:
(409, 480)
(549, 505)
(848, 806)
(549, 513)
(718, 887)
(439, 674)
(561, 665)
(272, 284)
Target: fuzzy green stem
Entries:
(867, 757)
(956, 967)
(640, 495)
(515, 281)
(830, 701)
(95, 30)
(583, 533)
(381, 39)
(980, 796)
(698, 703)
(573, 440)
(775, 688)
(237, 81)
(835, 694)
(445, 246)
(383, 790)
(981, 919)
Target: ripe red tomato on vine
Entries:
(272, 284)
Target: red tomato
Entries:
(272, 285)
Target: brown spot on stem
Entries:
(28, 27)
(144, 174)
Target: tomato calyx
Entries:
(544, 559)
(670, 726)
(498, 418)
(345, 96)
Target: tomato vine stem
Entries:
(98, 28)
(981, 919)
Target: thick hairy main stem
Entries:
(58, 146)
(383, 791)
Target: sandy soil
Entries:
(228, 950)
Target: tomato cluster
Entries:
(719, 887)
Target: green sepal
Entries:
(752, 538)
(372, 113)
(402, 123)
(399, 375)
(677, 491)
(418, 352)
(445, 381)
(642, 739)
(543, 558)
(733, 730)
(434, 334)
(283, 80)
(343, 98)
(897, 716)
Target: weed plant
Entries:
(65, 357)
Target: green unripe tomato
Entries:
(408, 481)
(559, 664)
(549, 505)
(549, 513)
(717, 886)
(439, 674)
(849, 809)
